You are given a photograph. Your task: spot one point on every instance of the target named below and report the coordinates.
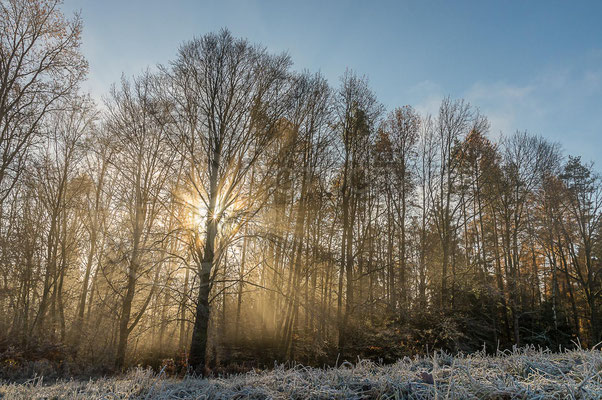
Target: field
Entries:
(526, 373)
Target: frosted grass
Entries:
(525, 373)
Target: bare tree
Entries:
(456, 119)
(57, 173)
(229, 99)
(138, 119)
(357, 112)
(40, 63)
(399, 135)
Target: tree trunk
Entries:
(198, 346)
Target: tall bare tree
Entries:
(138, 118)
(357, 111)
(229, 96)
(40, 63)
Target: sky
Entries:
(533, 66)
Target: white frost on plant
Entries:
(526, 373)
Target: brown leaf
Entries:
(427, 378)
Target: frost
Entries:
(526, 373)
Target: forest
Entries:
(223, 210)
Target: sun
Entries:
(200, 214)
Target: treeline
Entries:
(223, 207)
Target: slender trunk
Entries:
(183, 302)
(198, 347)
(126, 311)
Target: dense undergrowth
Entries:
(381, 341)
(528, 372)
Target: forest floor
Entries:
(526, 373)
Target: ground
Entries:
(526, 373)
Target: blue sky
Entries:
(527, 65)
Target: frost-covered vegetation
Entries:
(524, 373)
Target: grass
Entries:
(525, 373)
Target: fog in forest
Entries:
(224, 211)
